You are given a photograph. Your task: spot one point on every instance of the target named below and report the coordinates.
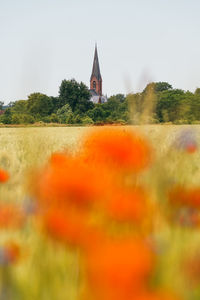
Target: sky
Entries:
(43, 42)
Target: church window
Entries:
(94, 85)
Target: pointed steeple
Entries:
(96, 69)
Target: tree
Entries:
(113, 108)
(87, 121)
(55, 104)
(46, 119)
(117, 97)
(197, 91)
(169, 105)
(76, 95)
(11, 103)
(40, 104)
(19, 107)
(15, 119)
(193, 101)
(1, 105)
(7, 116)
(98, 113)
(64, 114)
(162, 86)
(54, 118)
(157, 87)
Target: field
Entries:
(46, 269)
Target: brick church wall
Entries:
(98, 88)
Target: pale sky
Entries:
(46, 41)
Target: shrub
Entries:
(87, 120)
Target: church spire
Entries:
(95, 79)
(96, 69)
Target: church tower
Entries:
(95, 79)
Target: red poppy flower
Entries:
(118, 148)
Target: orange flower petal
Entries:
(127, 205)
(70, 228)
(118, 148)
(12, 251)
(4, 176)
(119, 267)
(181, 195)
(69, 181)
(11, 216)
(155, 296)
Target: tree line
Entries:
(157, 103)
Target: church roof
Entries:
(98, 99)
(96, 69)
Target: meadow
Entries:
(47, 269)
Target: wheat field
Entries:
(46, 269)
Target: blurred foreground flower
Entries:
(68, 181)
(185, 205)
(11, 216)
(4, 176)
(187, 141)
(118, 149)
(9, 253)
(185, 196)
(191, 269)
(149, 295)
(89, 201)
(127, 204)
(72, 228)
(118, 268)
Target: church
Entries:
(96, 82)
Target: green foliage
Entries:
(170, 105)
(16, 119)
(162, 86)
(20, 107)
(97, 113)
(87, 121)
(17, 113)
(111, 111)
(118, 97)
(76, 119)
(158, 102)
(65, 114)
(6, 118)
(1, 105)
(142, 105)
(46, 119)
(157, 87)
(76, 95)
(39, 104)
(55, 104)
(54, 118)
(22, 119)
(30, 119)
(197, 91)
(11, 103)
